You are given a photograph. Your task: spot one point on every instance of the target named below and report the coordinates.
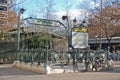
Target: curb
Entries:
(29, 67)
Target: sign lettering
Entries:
(80, 29)
(45, 22)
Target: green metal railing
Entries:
(30, 55)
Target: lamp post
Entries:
(69, 37)
(73, 49)
(101, 14)
(47, 68)
(67, 27)
(18, 32)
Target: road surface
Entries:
(7, 72)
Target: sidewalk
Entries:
(55, 68)
(58, 68)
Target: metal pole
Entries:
(73, 49)
(39, 56)
(101, 13)
(32, 53)
(68, 34)
(74, 62)
(18, 36)
(68, 31)
(46, 56)
(100, 41)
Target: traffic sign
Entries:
(3, 8)
(3, 22)
(3, 15)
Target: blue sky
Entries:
(31, 5)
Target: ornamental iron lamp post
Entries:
(73, 49)
(68, 31)
(18, 34)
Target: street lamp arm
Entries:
(62, 25)
(27, 18)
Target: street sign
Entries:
(3, 8)
(79, 40)
(3, 15)
(45, 22)
(3, 22)
(79, 29)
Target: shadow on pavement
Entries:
(8, 71)
(114, 70)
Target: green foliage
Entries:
(33, 42)
(38, 40)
